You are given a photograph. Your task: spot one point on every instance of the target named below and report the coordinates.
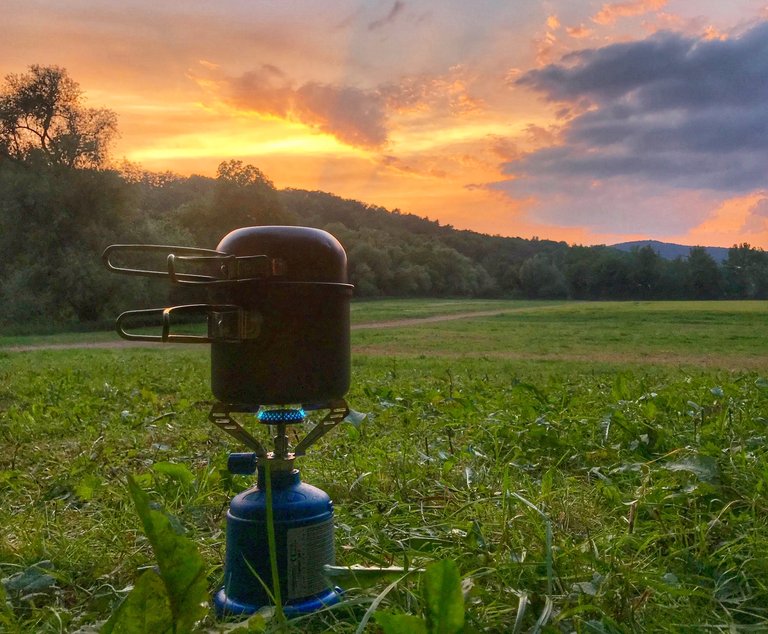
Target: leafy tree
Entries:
(674, 280)
(705, 281)
(54, 223)
(611, 274)
(451, 273)
(645, 272)
(42, 115)
(745, 272)
(578, 270)
(374, 263)
(236, 173)
(364, 280)
(241, 197)
(412, 279)
(539, 277)
(598, 273)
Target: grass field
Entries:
(589, 466)
(713, 334)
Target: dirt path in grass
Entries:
(392, 323)
(416, 321)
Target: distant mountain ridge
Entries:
(670, 250)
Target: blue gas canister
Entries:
(303, 523)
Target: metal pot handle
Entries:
(231, 269)
(171, 251)
(232, 328)
(245, 268)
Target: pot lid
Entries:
(296, 254)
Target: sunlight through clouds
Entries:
(195, 147)
(581, 121)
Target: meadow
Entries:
(589, 467)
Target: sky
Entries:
(589, 122)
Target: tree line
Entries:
(62, 202)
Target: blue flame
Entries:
(277, 416)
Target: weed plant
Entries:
(572, 495)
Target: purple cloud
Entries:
(674, 110)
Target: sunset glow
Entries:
(590, 122)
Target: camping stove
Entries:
(278, 327)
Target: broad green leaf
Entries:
(650, 409)
(540, 396)
(88, 486)
(176, 471)
(181, 567)
(443, 598)
(144, 479)
(620, 390)
(400, 623)
(146, 609)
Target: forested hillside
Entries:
(62, 202)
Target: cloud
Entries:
(728, 222)
(686, 112)
(578, 32)
(359, 118)
(397, 8)
(670, 118)
(662, 72)
(448, 93)
(613, 206)
(505, 148)
(547, 44)
(609, 13)
(757, 217)
(760, 209)
(354, 116)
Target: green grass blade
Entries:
(376, 602)
(522, 606)
(545, 615)
(279, 613)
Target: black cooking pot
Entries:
(278, 312)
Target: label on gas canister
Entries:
(309, 549)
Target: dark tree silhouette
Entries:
(42, 115)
